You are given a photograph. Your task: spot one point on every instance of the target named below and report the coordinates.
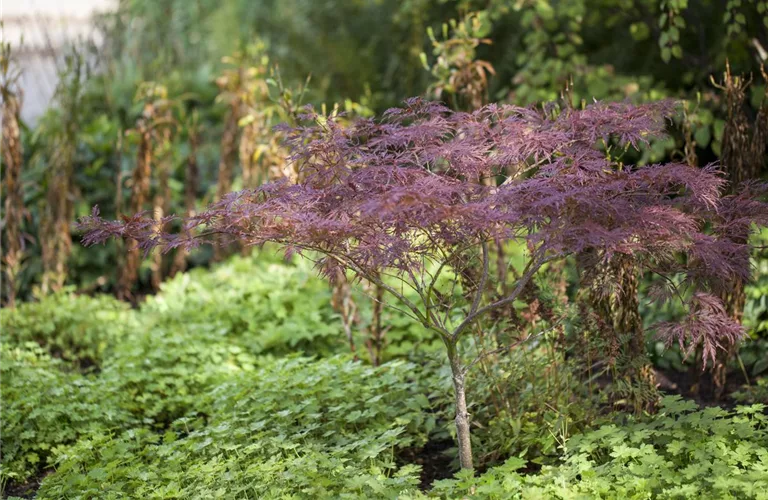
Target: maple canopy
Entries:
(424, 185)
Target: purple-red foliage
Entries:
(707, 324)
(395, 193)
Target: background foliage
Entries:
(368, 55)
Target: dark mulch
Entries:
(699, 386)
(27, 489)
(436, 463)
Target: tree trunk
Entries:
(462, 416)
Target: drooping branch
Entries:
(508, 347)
(376, 280)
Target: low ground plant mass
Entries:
(198, 407)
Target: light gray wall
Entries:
(39, 30)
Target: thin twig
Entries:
(483, 280)
(509, 346)
(531, 269)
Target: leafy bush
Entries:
(45, 408)
(529, 402)
(683, 452)
(75, 328)
(164, 373)
(208, 325)
(293, 427)
(260, 303)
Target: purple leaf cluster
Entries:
(424, 183)
(707, 325)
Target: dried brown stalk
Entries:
(191, 181)
(140, 184)
(161, 205)
(743, 157)
(12, 162)
(59, 212)
(227, 164)
(376, 331)
(341, 301)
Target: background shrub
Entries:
(260, 303)
(76, 328)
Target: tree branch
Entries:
(483, 280)
(424, 320)
(531, 269)
(507, 347)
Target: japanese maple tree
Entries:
(404, 201)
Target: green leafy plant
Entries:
(76, 328)
(260, 303)
(683, 452)
(46, 408)
(293, 427)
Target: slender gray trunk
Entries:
(462, 416)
